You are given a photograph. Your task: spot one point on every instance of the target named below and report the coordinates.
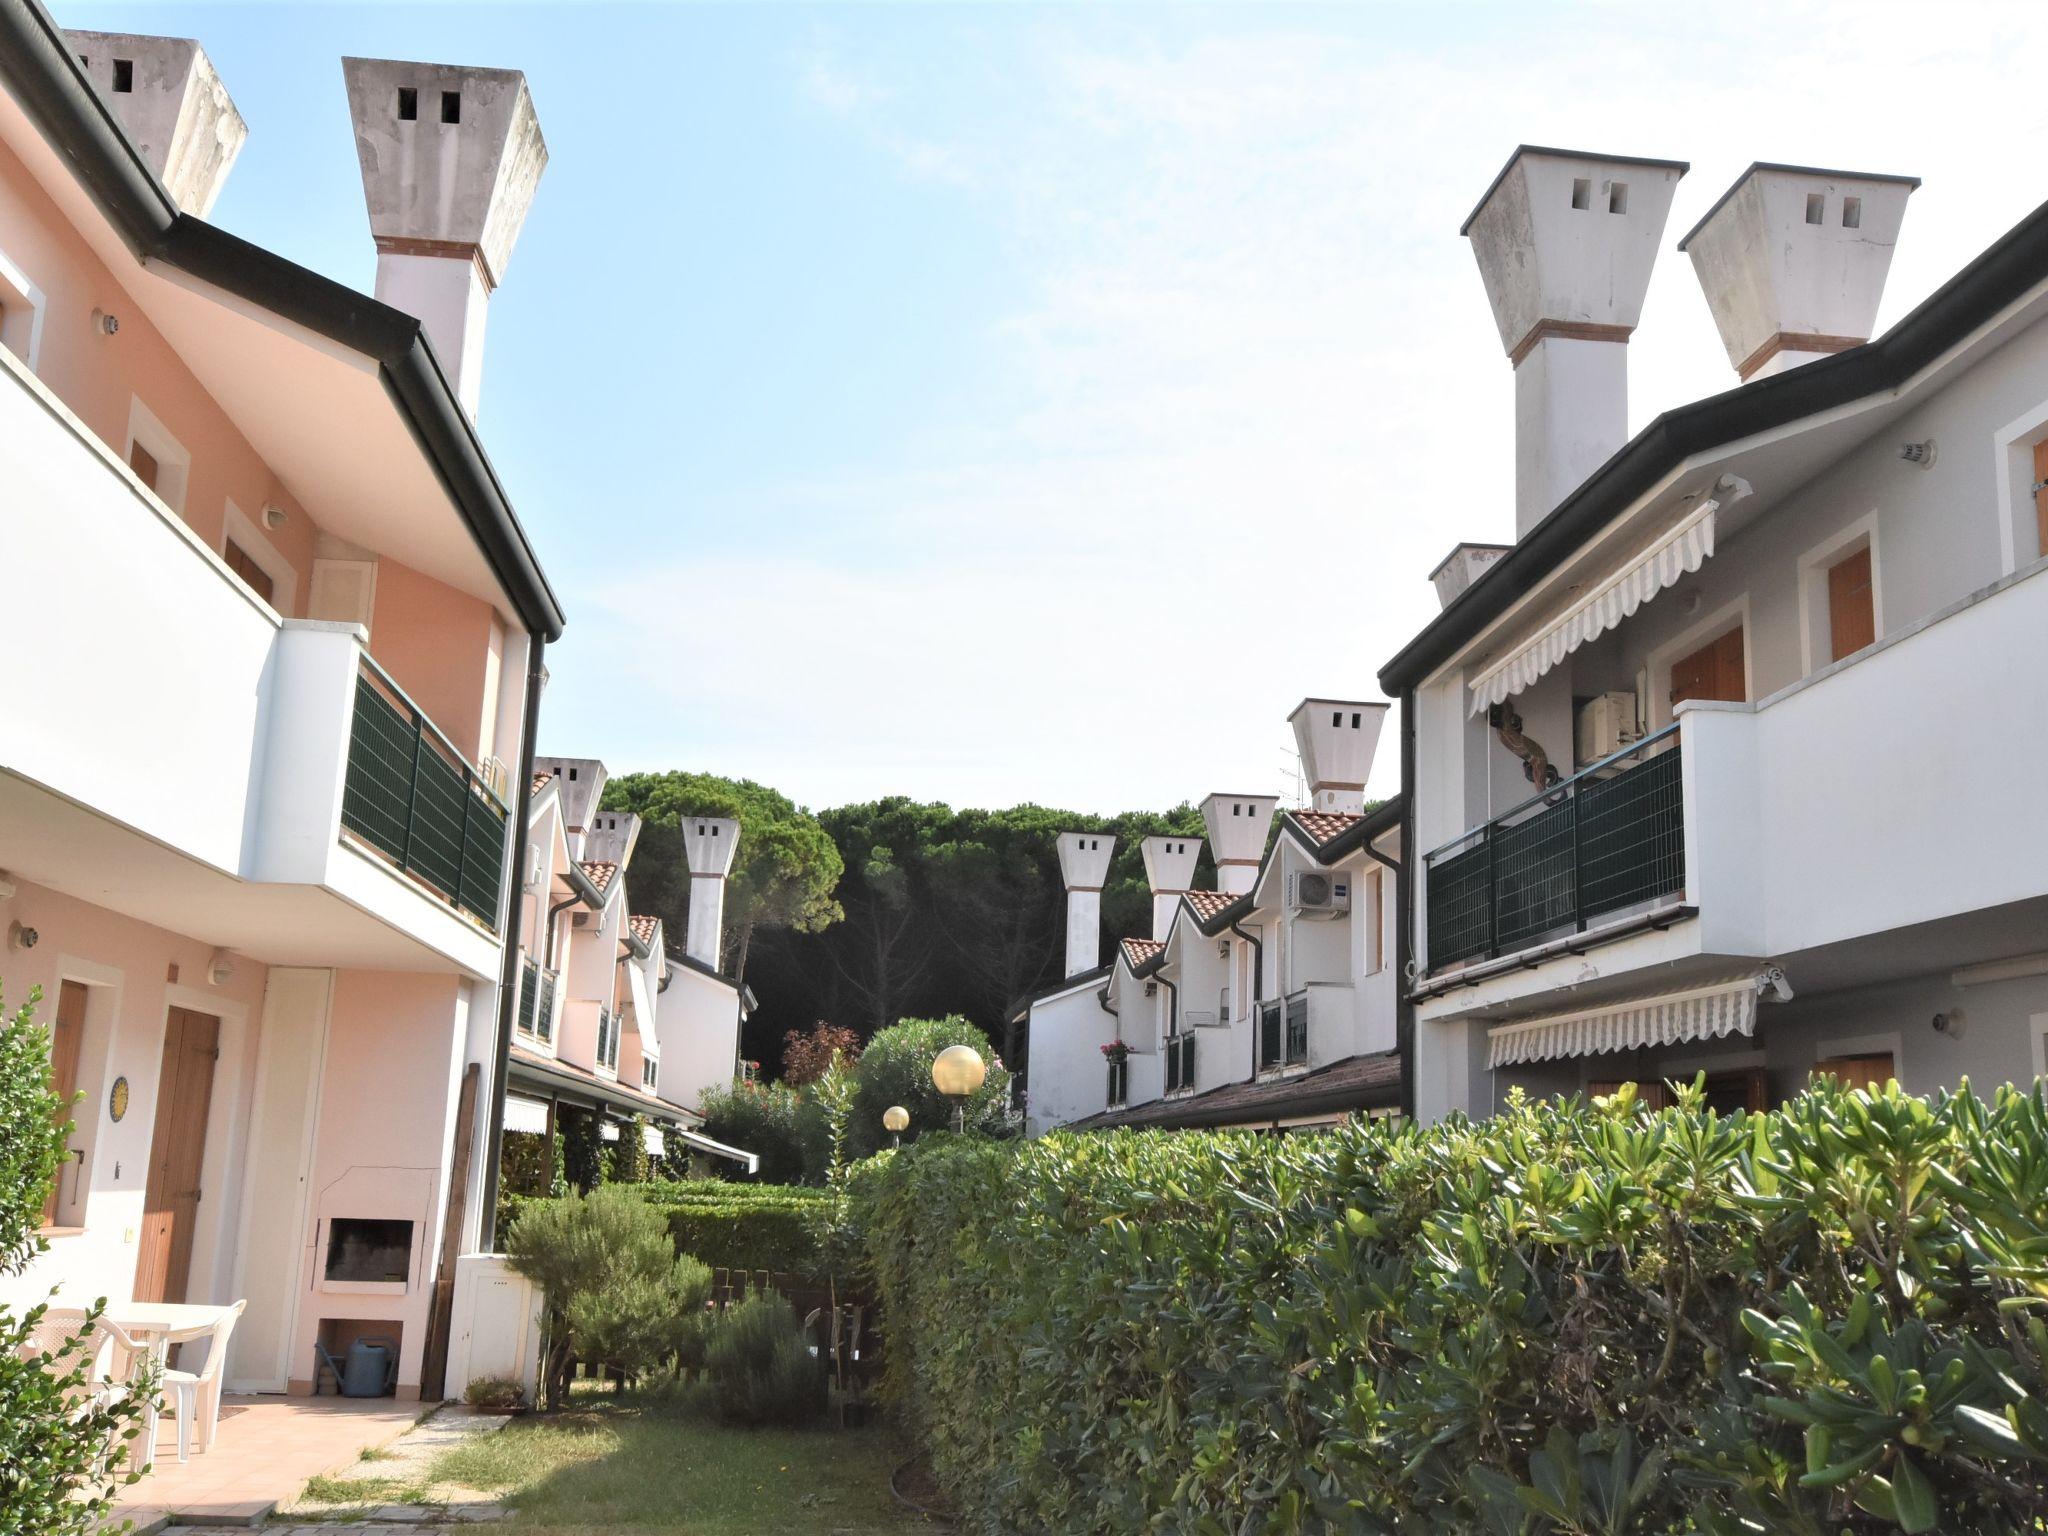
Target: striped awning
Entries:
(1710, 1012)
(1675, 553)
(529, 1115)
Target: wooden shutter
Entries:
(143, 462)
(1871, 1072)
(2041, 497)
(1714, 671)
(67, 1032)
(1852, 615)
(170, 1202)
(243, 566)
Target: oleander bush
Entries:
(1831, 1318)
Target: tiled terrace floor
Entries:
(266, 1449)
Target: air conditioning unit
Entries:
(1311, 893)
(1606, 724)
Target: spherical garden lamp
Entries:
(958, 1073)
(895, 1120)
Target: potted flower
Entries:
(1116, 1052)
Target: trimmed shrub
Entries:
(744, 1226)
(1570, 1318)
(773, 1121)
(616, 1290)
(761, 1368)
(896, 1068)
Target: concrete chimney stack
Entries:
(1461, 567)
(1238, 825)
(1793, 261)
(450, 160)
(708, 843)
(1337, 739)
(1170, 871)
(167, 95)
(1084, 868)
(579, 784)
(1565, 243)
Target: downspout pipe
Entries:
(1258, 983)
(508, 978)
(1404, 915)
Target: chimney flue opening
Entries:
(451, 106)
(1816, 208)
(1582, 193)
(408, 104)
(1852, 213)
(124, 75)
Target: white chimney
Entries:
(1565, 243)
(1170, 871)
(579, 786)
(1238, 825)
(1461, 567)
(171, 102)
(1084, 867)
(709, 843)
(1793, 261)
(1337, 738)
(450, 160)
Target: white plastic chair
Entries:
(198, 1395)
(110, 1375)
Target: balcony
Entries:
(1180, 1062)
(1609, 838)
(537, 988)
(1283, 1032)
(411, 796)
(181, 754)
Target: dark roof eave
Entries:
(2004, 272)
(36, 61)
(1194, 1113)
(1078, 979)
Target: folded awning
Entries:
(652, 1139)
(1675, 553)
(748, 1160)
(1708, 1012)
(529, 1115)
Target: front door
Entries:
(170, 1206)
(66, 1033)
(1714, 671)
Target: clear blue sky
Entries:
(1016, 403)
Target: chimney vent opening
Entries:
(124, 75)
(1617, 197)
(1336, 717)
(451, 106)
(408, 104)
(1852, 213)
(1816, 208)
(1354, 720)
(1582, 193)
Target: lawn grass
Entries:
(621, 1466)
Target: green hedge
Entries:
(1826, 1319)
(732, 1226)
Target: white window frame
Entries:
(239, 528)
(173, 460)
(1729, 616)
(2015, 468)
(21, 334)
(1816, 615)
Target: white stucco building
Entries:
(1724, 765)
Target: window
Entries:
(243, 565)
(1852, 616)
(1119, 1081)
(408, 104)
(2040, 498)
(144, 463)
(649, 1070)
(158, 459)
(21, 313)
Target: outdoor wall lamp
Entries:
(895, 1120)
(958, 1073)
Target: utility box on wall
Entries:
(495, 1330)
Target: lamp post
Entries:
(895, 1120)
(958, 1073)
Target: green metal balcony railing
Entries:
(537, 1001)
(1610, 836)
(1180, 1062)
(415, 799)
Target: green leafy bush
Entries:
(63, 1440)
(761, 1368)
(615, 1289)
(896, 1068)
(1829, 1319)
(730, 1226)
(773, 1121)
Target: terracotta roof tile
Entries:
(600, 872)
(1138, 951)
(1208, 903)
(541, 781)
(643, 927)
(1322, 826)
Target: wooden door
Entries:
(67, 1032)
(1714, 671)
(1871, 1072)
(2041, 497)
(170, 1205)
(1852, 613)
(244, 565)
